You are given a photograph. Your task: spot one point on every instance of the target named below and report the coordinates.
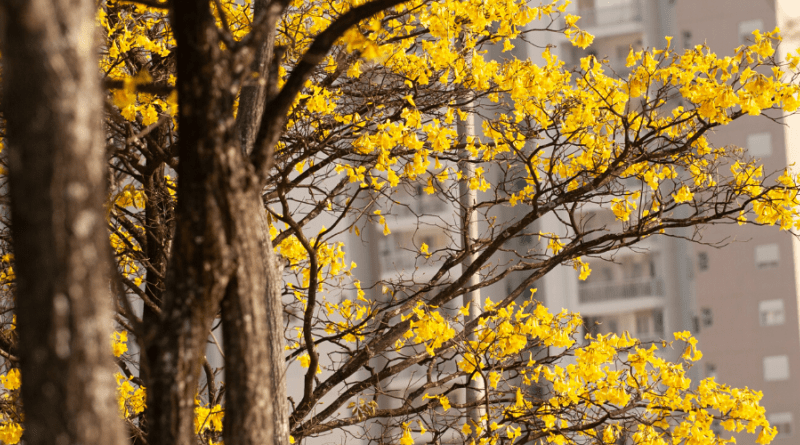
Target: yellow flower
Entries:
(10, 433)
(129, 113)
(149, 115)
(494, 378)
(11, 380)
(124, 98)
(583, 267)
(305, 360)
(581, 39)
(354, 71)
(683, 195)
(132, 401)
(119, 343)
(555, 245)
(406, 439)
(424, 249)
(570, 20)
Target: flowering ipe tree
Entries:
(232, 127)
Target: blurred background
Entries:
(736, 290)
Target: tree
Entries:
(234, 128)
(56, 175)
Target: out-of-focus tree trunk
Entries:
(53, 107)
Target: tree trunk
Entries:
(253, 96)
(252, 314)
(221, 249)
(57, 185)
(201, 258)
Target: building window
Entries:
(397, 252)
(776, 368)
(658, 322)
(591, 324)
(702, 261)
(519, 185)
(607, 274)
(707, 317)
(746, 29)
(716, 427)
(711, 371)
(643, 323)
(622, 52)
(767, 256)
(686, 36)
(770, 312)
(759, 145)
(783, 422)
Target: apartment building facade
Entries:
(738, 290)
(746, 292)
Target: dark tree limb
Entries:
(276, 110)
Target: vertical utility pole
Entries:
(476, 390)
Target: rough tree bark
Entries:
(253, 95)
(222, 256)
(252, 327)
(221, 250)
(252, 311)
(202, 260)
(53, 109)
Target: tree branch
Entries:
(275, 115)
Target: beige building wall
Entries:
(741, 300)
(746, 292)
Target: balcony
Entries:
(621, 290)
(420, 203)
(629, 12)
(400, 253)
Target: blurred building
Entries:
(738, 290)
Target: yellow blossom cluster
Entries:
(330, 258)
(10, 428)
(11, 381)
(429, 328)
(143, 29)
(131, 399)
(123, 243)
(7, 275)
(130, 196)
(10, 432)
(119, 343)
(512, 329)
(207, 417)
(350, 316)
(610, 374)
